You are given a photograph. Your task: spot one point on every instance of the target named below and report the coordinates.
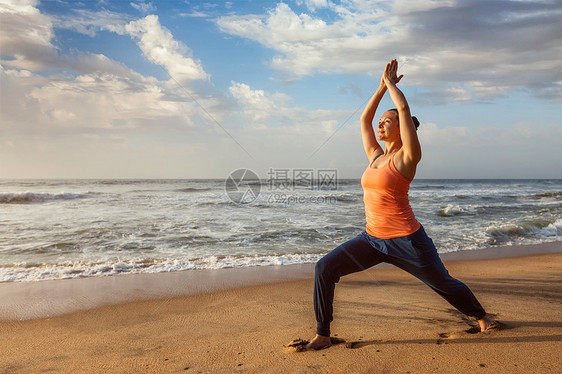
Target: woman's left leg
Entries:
(352, 256)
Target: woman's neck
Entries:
(392, 146)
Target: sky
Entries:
(197, 89)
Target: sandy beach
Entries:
(226, 323)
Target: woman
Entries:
(392, 233)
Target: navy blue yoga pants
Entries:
(413, 253)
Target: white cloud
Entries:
(313, 5)
(276, 110)
(89, 22)
(90, 101)
(144, 7)
(94, 63)
(284, 134)
(95, 91)
(105, 125)
(195, 14)
(25, 35)
(484, 48)
(159, 46)
(209, 5)
(431, 135)
(27, 39)
(408, 6)
(89, 110)
(256, 105)
(18, 107)
(102, 101)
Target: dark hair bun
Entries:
(416, 122)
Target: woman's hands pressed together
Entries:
(390, 74)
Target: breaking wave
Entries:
(451, 210)
(538, 228)
(31, 197)
(81, 269)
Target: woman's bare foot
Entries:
(485, 323)
(319, 342)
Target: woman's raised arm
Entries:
(372, 147)
(411, 148)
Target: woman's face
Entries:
(388, 128)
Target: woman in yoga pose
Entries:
(392, 234)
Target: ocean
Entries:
(57, 229)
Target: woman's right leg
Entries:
(352, 256)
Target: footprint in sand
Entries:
(298, 345)
(495, 326)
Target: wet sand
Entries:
(230, 321)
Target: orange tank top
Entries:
(387, 208)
